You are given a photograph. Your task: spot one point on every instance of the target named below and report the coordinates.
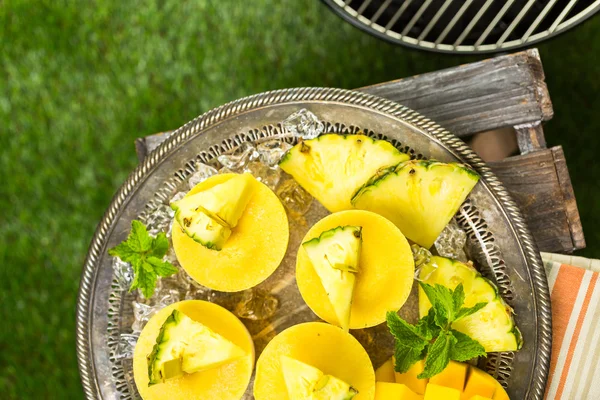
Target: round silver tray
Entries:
(497, 238)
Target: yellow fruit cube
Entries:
(500, 393)
(409, 378)
(479, 383)
(478, 397)
(394, 391)
(437, 392)
(385, 373)
(453, 376)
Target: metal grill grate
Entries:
(465, 26)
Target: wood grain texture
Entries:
(564, 180)
(537, 182)
(495, 93)
(530, 137)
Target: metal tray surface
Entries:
(498, 239)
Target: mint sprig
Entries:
(432, 338)
(145, 254)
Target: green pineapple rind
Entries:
(511, 328)
(163, 337)
(327, 136)
(386, 173)
(209, 244)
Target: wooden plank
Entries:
(564, 181)
(539, 184)
(499, 92)
(145, 145)
(530, 137)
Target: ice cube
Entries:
(202, 173)
(271, 151)
(303, 124)
(256, 304)
(123, 273)
(141, 314)
(295, 199)
(126, 345)
(451, 242)
(237, 160)
(159, 219)
(270, 176)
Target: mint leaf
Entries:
(409, 344)
(137, 264)
(438, 355)
(406, 356)
(466, 311)
(145, 254)
(124, 252)
(442, 301)
(413, 342)
(160, 245)
(145, 281)
(465, 348)
(162, 268)
(403, 331)
(426, 327)
(458, 297)
(139, 240)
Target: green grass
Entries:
(79, 81)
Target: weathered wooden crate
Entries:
(501, 92)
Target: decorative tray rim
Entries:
(541, 295)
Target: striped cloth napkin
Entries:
(575, 295)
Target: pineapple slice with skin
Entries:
(420, 197)
(334, 255)
(187, 346)
(492, 326)
(227, 201)
(199, 226)
(305, 382)
(209, 216)
(332, 167)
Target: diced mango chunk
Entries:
(385, 373)
(479, 383)
(478, 397)
(409, 378)
(453, 376)
(394, 391)
(500, 393)
(437, 392)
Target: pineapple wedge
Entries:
(334, 255)
(420, 197)
(332, 167)
(492, 326)
(305, 382)
(181, 339)
(209, 216)
(187, 346)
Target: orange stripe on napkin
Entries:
(563, 299)
(582, 314)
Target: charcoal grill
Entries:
(465, 26)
